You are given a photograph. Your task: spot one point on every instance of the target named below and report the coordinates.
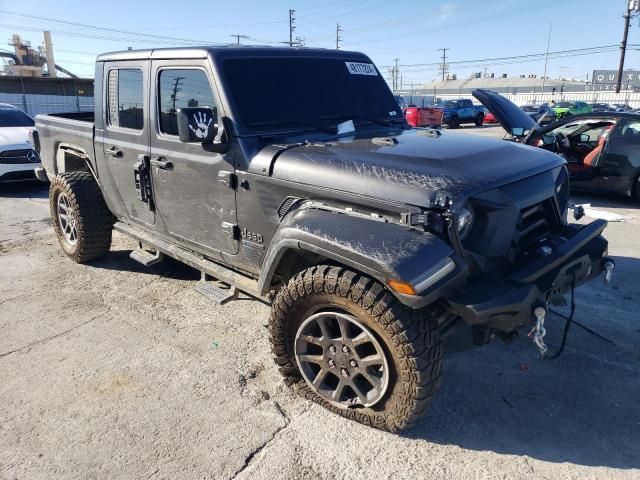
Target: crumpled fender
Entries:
(380, 249)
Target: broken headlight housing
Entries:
(465, 221)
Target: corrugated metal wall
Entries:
(34, 104)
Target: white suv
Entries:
(18, 159)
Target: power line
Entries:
(104, 29)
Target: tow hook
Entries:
(538, 332)
(609, 265)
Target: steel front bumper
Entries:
(507, 302)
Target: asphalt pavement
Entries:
(113, 370)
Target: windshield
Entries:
(445, 104)
(300, 92)
(564, 105)
(15, 118)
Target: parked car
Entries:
(459, 112)
(297, 181)
(602, 149)
(621, 107)
(489, 118)
(18, 159)
(563, 109)
(401, 102)
(541, 114)
(602, 107)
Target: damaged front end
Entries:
(522, 255)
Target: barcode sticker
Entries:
(361, 68)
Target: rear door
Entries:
(193, 185)
(126, 132)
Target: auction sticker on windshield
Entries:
(361, 68)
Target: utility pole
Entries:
(395, 76)
(443, 66)
(238, 37)
(546, 58)
(632, 6)
(174, 96)
(338, 37)
(292, 26)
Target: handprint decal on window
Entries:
(200, 120)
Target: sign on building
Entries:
(630, 78)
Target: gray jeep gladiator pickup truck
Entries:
(291, 175)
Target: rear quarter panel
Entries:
(56, 131)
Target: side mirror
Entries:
(197, 124)
(517, 131)
(548, 139)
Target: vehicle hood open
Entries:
(508, 114)
(413, 167)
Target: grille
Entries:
(535, 223)
(19, 156)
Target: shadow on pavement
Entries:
(603, 200)
(26, 189)
(581, 408)
(170, 268)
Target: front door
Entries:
(194, 198)
(126, 133)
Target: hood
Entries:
(11, 136)
(413, 168)
(508, 114)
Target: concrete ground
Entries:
(111, 370)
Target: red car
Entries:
(489, 118)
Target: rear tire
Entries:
(454, 122)
(405, 340)
(81, 219)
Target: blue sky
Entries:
(411, 31)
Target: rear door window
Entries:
(126, 98)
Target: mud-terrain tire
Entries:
(84, 231)
(479, 120)
(408, 338)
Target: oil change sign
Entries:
(361, 68)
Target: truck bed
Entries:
(72, 131)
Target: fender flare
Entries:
(377, 248)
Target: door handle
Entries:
(114, 152)
(162, 163)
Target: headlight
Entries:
(465, 221)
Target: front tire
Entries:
(479, 120)
(345, 342)
(81, 219)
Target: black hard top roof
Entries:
(223, 51)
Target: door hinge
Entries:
(232, 230)
(228, 178)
